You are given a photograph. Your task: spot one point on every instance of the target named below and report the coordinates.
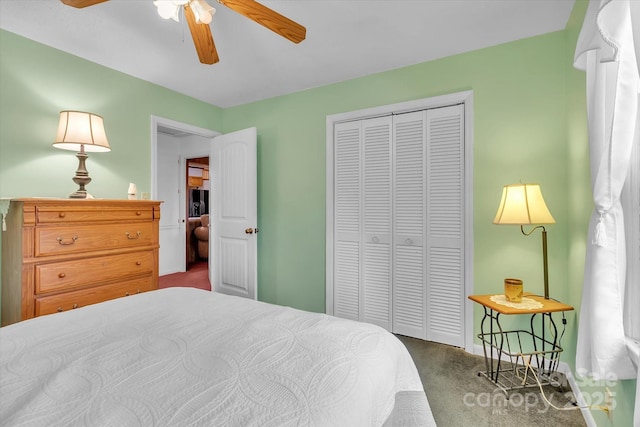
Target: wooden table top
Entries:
(548, 305)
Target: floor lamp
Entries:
(523, 204)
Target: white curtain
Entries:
(607, 52)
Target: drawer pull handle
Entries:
(60, 309)
(130, 237)
(138, 262)
(62, 214)
(126, 294)
(62, 275)
(408, 242)
(62, 242)
(138, 290)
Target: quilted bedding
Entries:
(182, 356)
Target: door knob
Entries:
(249, 230)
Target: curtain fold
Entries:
(607, 52)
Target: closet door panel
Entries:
(445, 227)
(409, 293)
(398, 223)
(376, 284)
(347, 220)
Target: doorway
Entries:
(197, 208)
(172, 144)
(234, 226)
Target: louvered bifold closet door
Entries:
(409, 293)
(347, 220)
(445, 225)
(376, 238)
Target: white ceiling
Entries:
(345, 39)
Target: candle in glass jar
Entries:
(513, 290)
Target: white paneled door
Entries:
(409, 214)
(445, 188)
(398, 252)
(234, 226)
(347, 221)
(376, 221)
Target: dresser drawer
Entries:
(67, 214)
(86, 238)
(80, 298)
(73, 274)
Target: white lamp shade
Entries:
(77, 129)
(523, 204)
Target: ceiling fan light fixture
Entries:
(198, 14)
(202, 10)
(169, 9)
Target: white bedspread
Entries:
(182, 356)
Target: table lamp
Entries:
(523, 204)
(82, 131)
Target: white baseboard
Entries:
(564, 369)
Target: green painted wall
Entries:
(36, 82)
(520, 134)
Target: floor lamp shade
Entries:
(523, 204)
(82, 132)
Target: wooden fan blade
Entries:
(82, 3)
(268, 18)
(202, 38)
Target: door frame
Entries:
(187, 129)
(464, 97)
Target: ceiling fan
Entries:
(198, 14)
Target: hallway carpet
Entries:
(196, 277)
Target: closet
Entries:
(397, 223)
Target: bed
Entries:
(183, 356)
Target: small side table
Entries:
(508, 355)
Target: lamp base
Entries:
(78, 194)
(82, 177)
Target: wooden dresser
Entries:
(60, 254)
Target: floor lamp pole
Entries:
(545, 263)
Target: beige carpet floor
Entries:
(460, 397)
